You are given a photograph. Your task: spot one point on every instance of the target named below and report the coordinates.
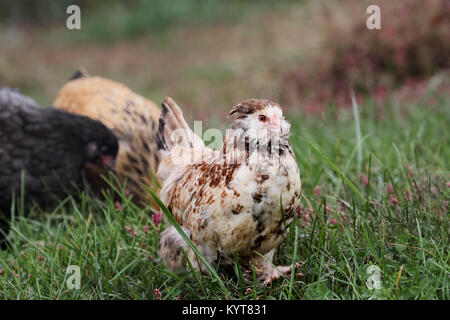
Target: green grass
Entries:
(405, 146)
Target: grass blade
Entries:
(335, 168)
(358, 131)
(174, 222)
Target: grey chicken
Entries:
(46, 149)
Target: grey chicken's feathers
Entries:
(46, 146)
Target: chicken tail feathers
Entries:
(80, 73)
(173, 129)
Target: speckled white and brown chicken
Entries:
(132, 118)
(239, 199)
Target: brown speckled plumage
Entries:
(229, 200)
(130, 116)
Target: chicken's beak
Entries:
(274, 122)
(109, 162)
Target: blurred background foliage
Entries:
(111, 20)
(208, 53)
(411, 46)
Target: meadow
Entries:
(375, 192)
(375, 175)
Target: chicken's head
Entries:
(261, 120)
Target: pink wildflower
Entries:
(248, 290)
(118, 205)
(390, 188)
(408, 168)
(1, 272)
(157, 217)
(333, 221)
(317, 190)
(299, 211)
(407, 195)
(306, 217)
(448, 184)
(394, 200)
(145, 228)
(131, 231)
(157, 293)
(245, 275)
(364, 179)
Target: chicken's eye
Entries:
(262, 118)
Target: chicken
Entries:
(130, 116)
(48, 148)
(239, 199)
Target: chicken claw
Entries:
(278, 271)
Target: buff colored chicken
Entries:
(240, 199)
(132, 118)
